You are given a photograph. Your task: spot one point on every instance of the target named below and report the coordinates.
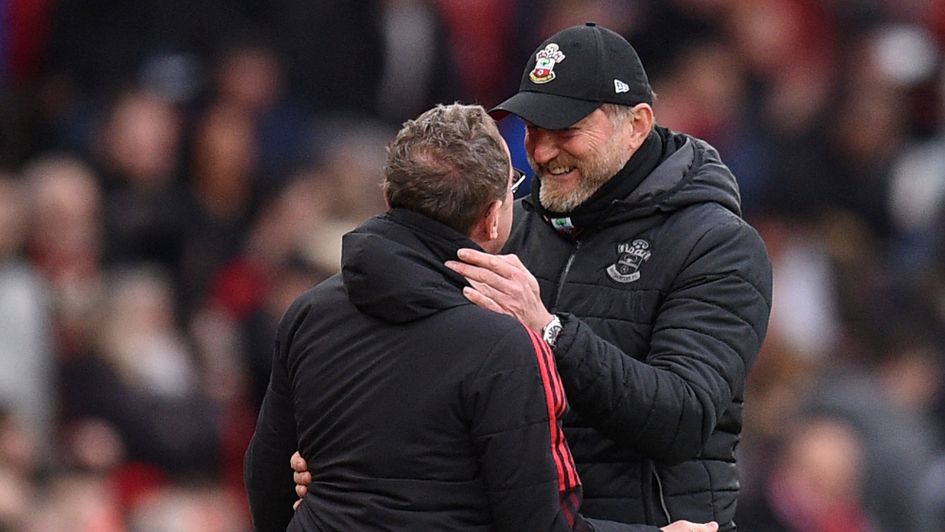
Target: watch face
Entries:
(551, 332)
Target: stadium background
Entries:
(173, 173)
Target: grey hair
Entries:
(449, 164)
(617, 113)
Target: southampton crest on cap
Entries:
(545, 61)
(629, 259)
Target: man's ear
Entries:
(641, 122)
(486, 229)
(491, 219)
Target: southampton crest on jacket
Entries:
(629, 259)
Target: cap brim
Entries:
(547, 111)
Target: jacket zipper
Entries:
(564, 274)
(659, 493)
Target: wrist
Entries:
(551, 330)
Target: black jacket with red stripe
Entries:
(415, 409)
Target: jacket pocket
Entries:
(654, 499)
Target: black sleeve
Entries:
(517, 402)
(266, 470)
(705, 336)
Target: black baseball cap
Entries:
(572, 73)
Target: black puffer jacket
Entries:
(665, 303)
(415, 409)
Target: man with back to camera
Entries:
(416, 409)
(641, 274)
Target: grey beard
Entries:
(556, 203)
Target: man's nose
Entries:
(543, 146)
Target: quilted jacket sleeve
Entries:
(706, 333)
(516, 403)
(266, 471)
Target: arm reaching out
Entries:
(303, 478)
(503, 284)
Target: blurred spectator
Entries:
(916, 199)
(248, 74)
(421, 62)
(140, 384)
(65, 243)
(662, 32)
(290, 278)
(26, 350)
(897, 448)
(138, 150)
(694, 97)
(884, 398)
(351, 151)
(482, 47)
(19, 468)
(334, 51)
(16, 495)
(197, 508)
(83, 502)
(221, 196)
(256, 287)
(140, 338)
(815, 485)
(804, 317)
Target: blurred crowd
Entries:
(174, 173)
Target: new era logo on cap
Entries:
(572, 73)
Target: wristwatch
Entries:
(550, 332)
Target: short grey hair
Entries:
(449, 164)
(616, 112)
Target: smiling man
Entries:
(632, 259)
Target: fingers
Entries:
(302, 479)
(301, 491)
(300, 476)
(476, 258)
(481, 265)
(489, 290)
(297, 463)
(504, 273)
(687, 526)
(711, 526)
(487, 296)
(476, 273)
(513, 259)
(480, 299)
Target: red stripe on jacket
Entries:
(556, 403)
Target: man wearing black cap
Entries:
(641, 275)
